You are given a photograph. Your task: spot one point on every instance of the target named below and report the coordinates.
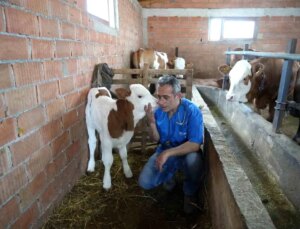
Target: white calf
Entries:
(115, 121)
(179, 63)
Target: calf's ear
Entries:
(122, 93)
(224, 69)
(257, 69)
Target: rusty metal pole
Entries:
(226, 77)
(285, 80)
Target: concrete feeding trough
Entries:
(256, 186)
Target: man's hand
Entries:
(161, 159)
(149, 113)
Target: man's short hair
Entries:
(170, 80)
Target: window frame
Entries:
(223, 19)
(103, 25)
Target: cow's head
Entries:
(139, 96)
(240, 83)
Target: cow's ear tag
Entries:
(122, 93)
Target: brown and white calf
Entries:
(115, 121)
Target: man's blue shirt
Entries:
(186, 124)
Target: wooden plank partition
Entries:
(145, 77)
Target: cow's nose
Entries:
(229, 97)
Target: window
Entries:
(106, 10)
(229, 29)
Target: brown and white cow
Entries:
(114, 120)
(258, 82)
(155, 59)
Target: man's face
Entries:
(167, 100)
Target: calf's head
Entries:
(139, 96)
(240, 83)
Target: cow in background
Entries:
(155, 59)
(114, 120)
(258, 82)
(225, 69)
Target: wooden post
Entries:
(144, 130)
(189, 84)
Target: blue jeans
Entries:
(191, 164)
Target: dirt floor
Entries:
(125, 205)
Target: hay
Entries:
(125, 205)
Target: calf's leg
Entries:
(92, 146)
(107, 159)
(126, 168)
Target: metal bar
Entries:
(286, 56)
(246, 57)
(285, 80)
(228, 56)
(226, 77)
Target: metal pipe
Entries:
(285, 80)
(286, 56)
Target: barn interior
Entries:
(48, 51)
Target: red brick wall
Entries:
(190, 35)
(47, 53)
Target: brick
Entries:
(38, 6)
(6, 76)
(49, 28)
(11, 183)
(9, 212)
(24, 148)
(68, 31)
(4, 164)
(56, 166)
(51, 193)
(31, 120)
(12, 48)
(81, 110)
(28, 73)
(60, 143)
(63, 49)
(66, 85)
(42, 49)
(76, 130)
(73, 150)
(70, 118)
(82, 80)
(53, 69)
(21, 22)
(17, 2)
(50, 131)
(59, 9)
(72, 100)
(47, 91)
(55, 109)
(32, 190)
(38, 161)
(72, 66)
(2, 27)
(27, 218)
(3, 108)
(81, 34)
(77, 49)
(74, 15)
(21, 99)
(8, 130)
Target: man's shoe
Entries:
(170, 184)
(190, 204)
